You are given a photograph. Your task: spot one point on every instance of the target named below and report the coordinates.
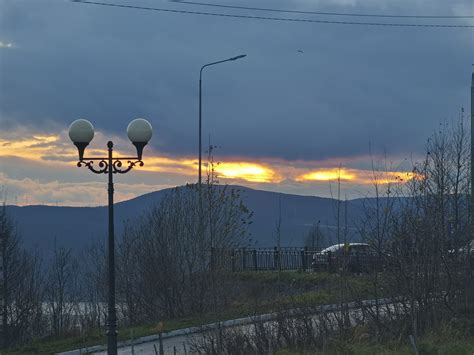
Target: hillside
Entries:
(74, 227)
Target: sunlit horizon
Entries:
(54, 152)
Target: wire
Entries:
(317, 12)
(281, 19)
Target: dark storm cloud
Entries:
(351, 86)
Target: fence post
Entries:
(244, 260)
(232, 256)
(307, 258)
(255, 265)
(212, 258)
(275, 258)
(329, 261)
(359, 267)
(303, 259)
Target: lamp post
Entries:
(472, 152)
(200, 108)
(81, 132)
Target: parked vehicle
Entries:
(355, 257)
(466, 250)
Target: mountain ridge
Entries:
(74, 227)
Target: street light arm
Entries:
(117, 165)
(219, 62)
(210, 64)
(102, 169)
(213, 63)
(115, 158)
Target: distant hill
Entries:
(75, 227)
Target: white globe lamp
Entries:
(81, 133)
(139, 131)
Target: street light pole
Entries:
(472, 152)
(112, 316)
(200, 109)
(81, 133)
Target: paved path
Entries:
(178, 341)
(180, 344)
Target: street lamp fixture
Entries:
(239, 57)
(81, 133)
(139, 132)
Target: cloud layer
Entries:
(308, 99)
(40, 169)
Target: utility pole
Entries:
(472, 152)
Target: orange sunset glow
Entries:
(357, 176)
(251, 172)
(397, 176)
(327, 175)
(28, 148)
(41, 147)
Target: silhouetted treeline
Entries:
(162, 267)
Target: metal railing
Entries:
(305, 259)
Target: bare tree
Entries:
(165, 256)
(418, 230)
(375, 228)
(316, 239)
(62, 291)
(93, 278)
(21, 288)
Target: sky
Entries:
(311, 102)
